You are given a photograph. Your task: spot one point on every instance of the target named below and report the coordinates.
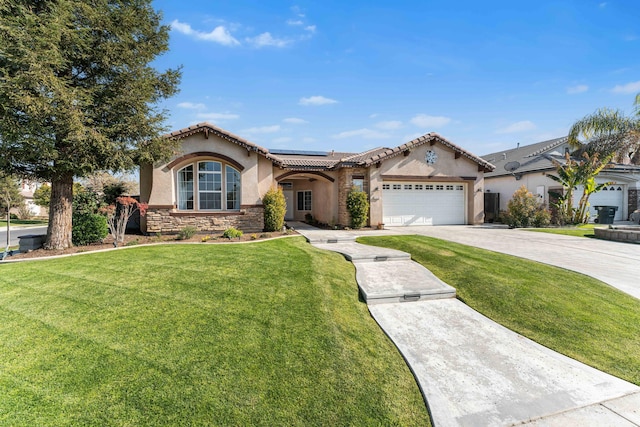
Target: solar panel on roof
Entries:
(298, 152)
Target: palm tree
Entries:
(609, 132)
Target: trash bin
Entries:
(606, 214)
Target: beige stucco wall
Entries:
(324, 194)
(446, 167)
(256, 177)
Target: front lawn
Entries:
(583, 230)
(24, 222)
(573, 314)
(268, 333)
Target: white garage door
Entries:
(611, 195)
(421, 203)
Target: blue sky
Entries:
(354, 75)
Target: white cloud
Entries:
(217, 116)
(281, 140)
(191, 106)
(316, 100)
(603, 4)
(362, 133)
(295, 22)
(294, 120)
(262, 129)
(310, 28)
(389, 125)
(521, 126)
(426, 121)
(577, 89)
(373, 116)
(633, 87)
(219, 34)
(266, 39)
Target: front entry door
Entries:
(288, 197)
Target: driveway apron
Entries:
(472, 371)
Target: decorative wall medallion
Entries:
(431, 157)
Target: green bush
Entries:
(275, 206)
(88, 228)
(358, 207)
(232, 233)
(525, 210)
(187, 232)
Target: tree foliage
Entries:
(42, 195)
(10, 196)
(609, 133)
(78, 95)
(570, 175)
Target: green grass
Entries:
(584, 230)
(24, 222)
(268, 333)
(573, 314)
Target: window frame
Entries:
(226, 170)
(303, 202)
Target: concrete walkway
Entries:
(472, 371)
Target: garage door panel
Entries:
(423, 203)
(611, 195)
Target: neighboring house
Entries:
(529, 166)
(27, 188)
(218, 180)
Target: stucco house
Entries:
(219, 178)
(530, 166)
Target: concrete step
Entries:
(399, 281)
(353, 251)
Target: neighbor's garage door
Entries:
(611, 195)
(411, 203)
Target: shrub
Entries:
(232, 233)
(524, 210)
(24, 212)
(88, 228)
(275, 206)
(187, 232)
(358, 207)
(254, 236)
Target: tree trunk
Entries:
(60, 213)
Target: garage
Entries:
(610, 195)
(423, 203)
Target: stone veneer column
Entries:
(633, 203)
(345, 181)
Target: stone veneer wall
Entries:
(344, 186)
(250, 219)
(633, 200)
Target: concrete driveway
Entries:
(617, 264)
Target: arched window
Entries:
(203, 190)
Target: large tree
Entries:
(77, 93)
(609, 133)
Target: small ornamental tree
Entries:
(118, 215)
(358, 207)
(275, 206)
(42, 195)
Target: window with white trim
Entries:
(209, 189)
(304, 200)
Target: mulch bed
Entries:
(135, 239)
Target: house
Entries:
(530, 166)
(218, 179)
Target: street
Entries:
(19, 232)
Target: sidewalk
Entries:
(472, 371)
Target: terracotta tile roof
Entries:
(208, 128)
(322, 161)
(392, 152)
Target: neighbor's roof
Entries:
(318, 160)
(532, 158)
